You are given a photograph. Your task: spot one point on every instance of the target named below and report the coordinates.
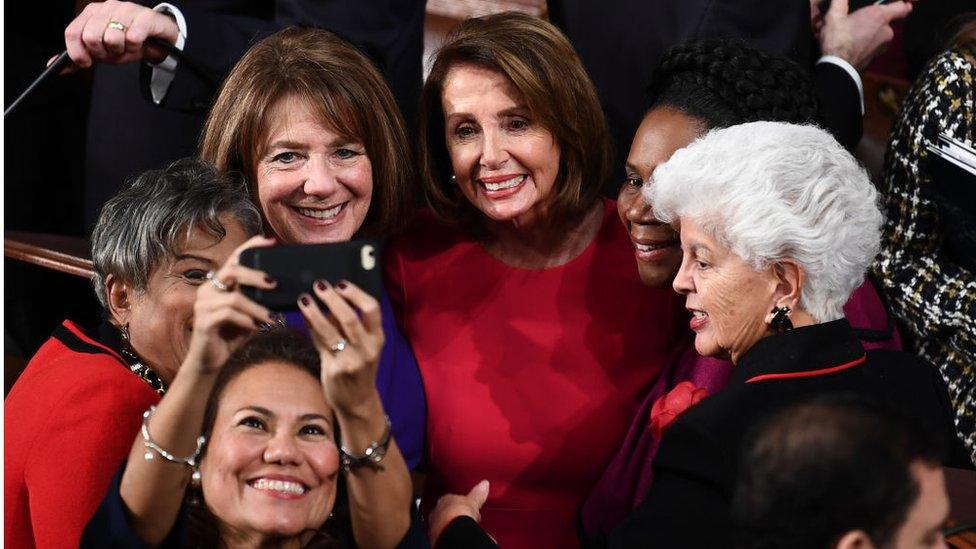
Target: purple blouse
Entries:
(399, 384)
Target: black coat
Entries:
(688, 504)
(621, 42)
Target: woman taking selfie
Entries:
(266, 464)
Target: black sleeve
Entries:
(840, 103)
(415, 538)
(621, 42)
(464, 532)
(390, 32)
(110, 526)
(688, 503)
(782, 27)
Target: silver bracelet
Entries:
(151, 445)
(373, 455)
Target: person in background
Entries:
(931, 286)
(313, 127)
(840, 474)
(535, 338)
(778, 224)
(620, 41)
(70, 419)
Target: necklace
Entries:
(139, 368)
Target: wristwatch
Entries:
(374, 453)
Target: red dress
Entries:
(69, 421)
(532, 376)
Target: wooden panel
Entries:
(961, 485)
(66, 254)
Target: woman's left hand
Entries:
(453, 506)
(349, 342)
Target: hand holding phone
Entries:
(295, 268)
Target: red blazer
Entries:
(69, 421)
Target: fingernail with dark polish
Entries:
(270, 280)
(342, 285)
(305, 301)
(321, 285)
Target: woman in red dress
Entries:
(535, 338)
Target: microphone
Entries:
(63, 60)
(54, 68)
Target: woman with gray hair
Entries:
(778, 224)
(71, 417)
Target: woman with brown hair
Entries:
(301, 84)
(534, 335)
(314, 128)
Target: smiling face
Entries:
(271, 463)
(314, 186)
(160, 318)
(504, 161)
(662, 132)
(728, 299)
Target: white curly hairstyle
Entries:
(771, 191)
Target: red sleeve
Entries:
(84, 440)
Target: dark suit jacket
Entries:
(621, 42)
(688, 504)
(128, 133)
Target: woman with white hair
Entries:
(778, 225)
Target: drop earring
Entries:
(453, 179)
(781, 319)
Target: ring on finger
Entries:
(113, 24)
(338, 347)
(216, 282)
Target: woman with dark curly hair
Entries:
(699, 85)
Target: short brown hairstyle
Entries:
(541, 64)
(339, 83)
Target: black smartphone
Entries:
(853, 5)
(297, 267)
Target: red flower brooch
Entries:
(670, 406)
